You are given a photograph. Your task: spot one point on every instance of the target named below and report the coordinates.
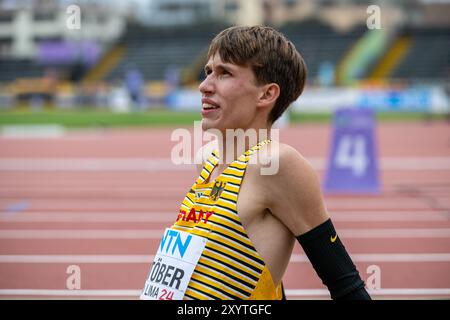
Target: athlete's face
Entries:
(229, 96)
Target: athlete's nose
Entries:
(206, 86)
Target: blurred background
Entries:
(90, 95)
(128, 56)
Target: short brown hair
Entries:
(270, 55)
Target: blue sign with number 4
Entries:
(352, 163)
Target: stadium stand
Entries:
(428, 57)
(153, 50)
(319, 42)
(12, 69)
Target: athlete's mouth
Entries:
(207, 106)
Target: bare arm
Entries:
(297, 202)
(296, 198)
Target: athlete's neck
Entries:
(235, 142)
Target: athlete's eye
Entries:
(207, 71)
(225, 73)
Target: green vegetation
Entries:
(94, 118)
(381, 116)
(160, 117)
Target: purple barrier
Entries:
(352, 162)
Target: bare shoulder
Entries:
(294, 191)
(291, 164)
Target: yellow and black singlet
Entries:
(229, 266)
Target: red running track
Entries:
(100, 200)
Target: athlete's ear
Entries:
(269, 94)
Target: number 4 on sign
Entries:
(351, 154)
(352, 163)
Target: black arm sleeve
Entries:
(332, 263)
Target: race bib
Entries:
(173, 265)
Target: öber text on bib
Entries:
(173, 265)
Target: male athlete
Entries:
(236, 228)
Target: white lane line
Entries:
(295, 258)
(158, 164)
(81, 234)
(374, 292)
(89, 217)
(75, 293)
(378, 203)
(395, 233)
(381, 215)
(32, 131)
(110, 203)
(156, 233)
(387, 257)
(93, 164)
(363, 216)
(289, 292)
(76, 259)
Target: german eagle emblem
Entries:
(217, 190)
